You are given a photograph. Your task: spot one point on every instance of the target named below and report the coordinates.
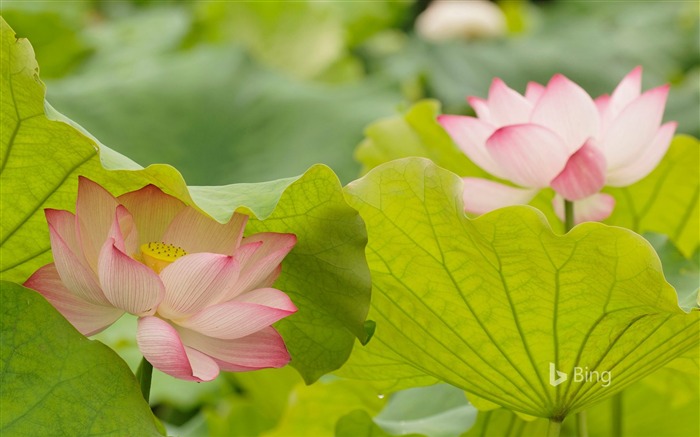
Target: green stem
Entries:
(554, 428)
(581, 424)
(143, 374)
(568, 215)
(617, 414)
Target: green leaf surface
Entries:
(447, 414)
(325, 275)
(415, 133)
(682, 273)
(57, 382)
(667, 200)
(359, 424)
(314, 410)
(486, 305)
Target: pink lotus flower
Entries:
(557, 136)
(201, 291)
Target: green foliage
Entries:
(314, 410)
(667, 200)
(325, 274)
(56, 382)
(682, 273)
(487, 304)
(447, 414)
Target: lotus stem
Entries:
(616, 414)
(581, 424)
(568, 215)
(554, 428)
(144, 374)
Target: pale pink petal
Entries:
(88, 318)
(533, 92)
(481, 107)
(262, 349)
(195, 232)
(584, 174)
(258, 265)
(627, 91)
(237, 318)
(196, 281)
(603, 105)
(95, 213)
(595, 208)
(76, 275)
(123, 231)
(646, 161)
(507, 106)
(160, 344)
(470, 134)
(569, 111)
(482, 195)
(634, 128)
(531, 155)
(127, 283)
(152, 211)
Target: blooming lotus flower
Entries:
(557, 136)
(203, 293)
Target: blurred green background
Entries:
(252, 91)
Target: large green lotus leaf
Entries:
(487, 304)
(57, 382)
(43, 153)
(666, 201)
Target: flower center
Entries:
(159, 255)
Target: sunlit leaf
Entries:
(487, 304)
(325, 274)
(682, 273)
(57, 382)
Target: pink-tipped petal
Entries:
(626, 91)
(195, 232)
(74, 272)
(603, 105)
(531, 155)
(533, 92)
(569, 111)
(481, 195)
(127, 283)
(237, 318)
(94, 211)
(88, 318)
(481, 107)
(152, 210)
(262, 349)
(584, 174)
(595, 208)
(258, 265)
(506, 105)
(647, 161)
(634, 128)
(470, 134)
(196, 281)
(160, 344)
